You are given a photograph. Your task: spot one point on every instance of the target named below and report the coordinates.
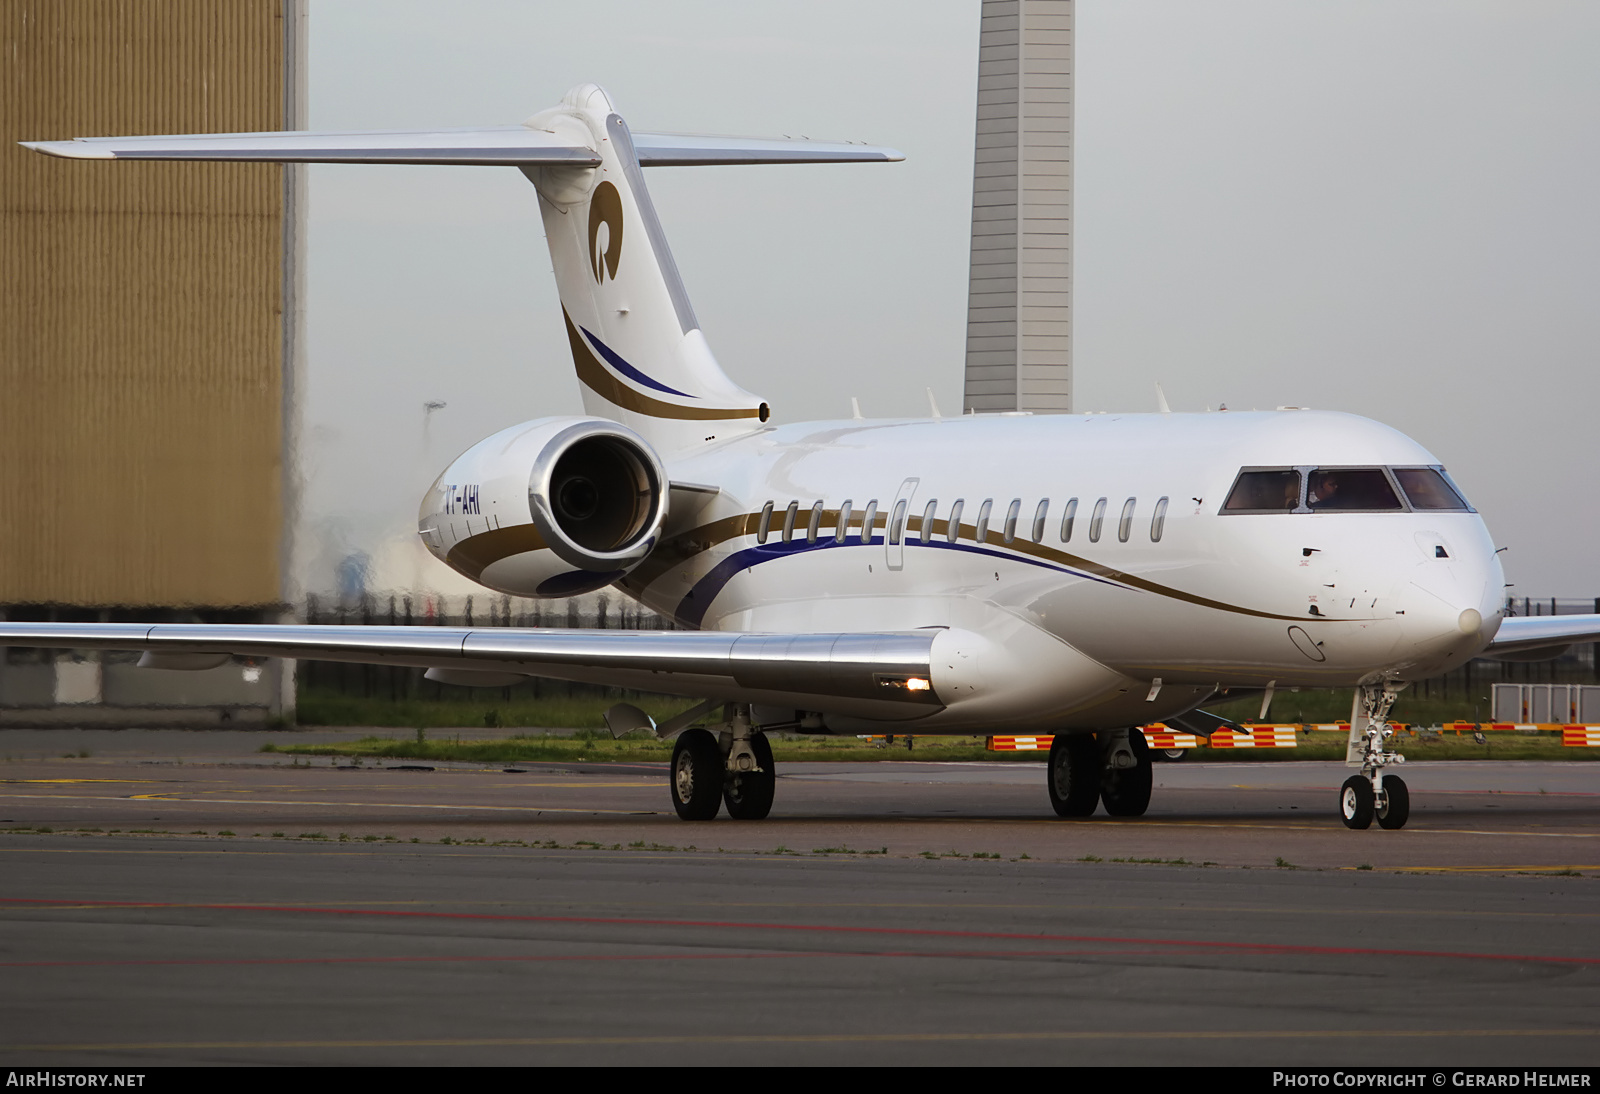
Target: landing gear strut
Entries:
(1372, 794)
(1126, 778)
(734, 767)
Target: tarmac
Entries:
(196, 901)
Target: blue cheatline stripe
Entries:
(628, 370)
(691, 610)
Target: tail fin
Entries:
(637, 346)
(635, 341)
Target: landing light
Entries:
(917, 683)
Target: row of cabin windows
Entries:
(812, 522)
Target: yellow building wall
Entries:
(141, 435)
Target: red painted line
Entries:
(1188, 943)
(425, 959)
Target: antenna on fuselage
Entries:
(855, 408)
(932, 405)
(1161, 400)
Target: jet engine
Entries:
(553, 507)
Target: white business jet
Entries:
(1077, 575)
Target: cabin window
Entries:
(843, 523)
(1096, 520)
(788, 520)
(927, 520)
(1350, 488)
(1125, 524)
(1264, 491)
(1038, 520)
(1158, 521)
(981, 533)
(869, 519)
(765, 526)
(816, 523)
(897, 522)
(1068, 515)
(1428, 488)
(953, 532)
(1012, 512)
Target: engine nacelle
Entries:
(552, 507)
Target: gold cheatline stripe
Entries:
(598, 379)
(681, 548)
(476, 554)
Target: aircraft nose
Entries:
(1444, 616)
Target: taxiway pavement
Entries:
(888, 912)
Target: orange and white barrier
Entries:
(1256, 736)
(1020, 744)
(1508, 727)
(1580, 736)
(1159, 736)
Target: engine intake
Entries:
(598, 496)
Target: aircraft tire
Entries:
(1395, 808)
(1171, 755)
(1126, 792)
(748, 795)
(1074, 774)
(696, 776)
(1356, 804)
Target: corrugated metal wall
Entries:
(1019, 304)
(141, 440)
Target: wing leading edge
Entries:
(504, 145)
(884, 675)
(1530, 633)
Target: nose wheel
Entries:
(1372, 795)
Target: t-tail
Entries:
(640, 355)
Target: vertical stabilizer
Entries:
(638, 349)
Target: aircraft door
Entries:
(894, 538)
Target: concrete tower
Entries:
(1019, 303)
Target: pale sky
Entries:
(1383, 207)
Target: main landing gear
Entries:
(1372, 794)
(1112, 767)
(733, 768)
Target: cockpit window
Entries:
(1427, 488)
(1264, 492)
(1365, 488)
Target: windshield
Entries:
(1427, 488)
(1351, 488)
(1265, 492)
(1343, 489)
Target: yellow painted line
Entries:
(130, 781)
(819, 1038)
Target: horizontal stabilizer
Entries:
(506, 145)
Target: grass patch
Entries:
(598, 747)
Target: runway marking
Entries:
(125, 781)
(816, 1038)
(1217, 945)
(604, 957)
(1547, 869)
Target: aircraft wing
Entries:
(1527, 633)
(873, 675)
(505, 145)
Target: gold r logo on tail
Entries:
(605, 207)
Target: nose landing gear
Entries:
(1371, 794)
